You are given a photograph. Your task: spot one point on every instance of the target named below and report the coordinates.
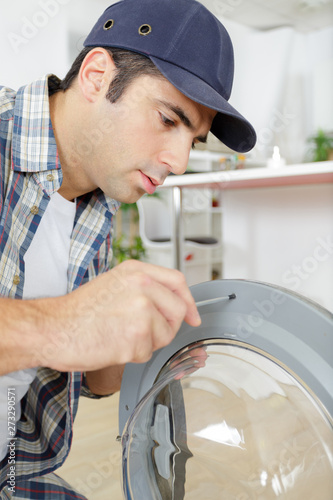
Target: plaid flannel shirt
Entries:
(30, 172)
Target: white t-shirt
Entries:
(46, 266)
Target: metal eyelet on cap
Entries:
(108, 24)
(145, 29)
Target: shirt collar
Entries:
(34, 147)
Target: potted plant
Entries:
(127, 243)
(321, 146)
(123, 251)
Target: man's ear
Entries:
(96, 72)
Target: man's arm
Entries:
(24, 328)
(122, 316)
(105, 381)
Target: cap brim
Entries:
(228, 126)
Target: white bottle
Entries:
(276, 160)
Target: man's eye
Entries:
(166, 121)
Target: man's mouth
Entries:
(149, 183)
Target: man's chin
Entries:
(131, 198)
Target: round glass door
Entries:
(226, 421)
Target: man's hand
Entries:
(122, 316)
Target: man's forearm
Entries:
(80, 331)
(105, 381)
(25, 340)
(23, 333)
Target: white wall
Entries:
(41, 36)
(283, 79)
(321, 50)
(283, 236)
(283, 85)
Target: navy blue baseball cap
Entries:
(189, 46)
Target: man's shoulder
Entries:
(8, 97)
(7, 102)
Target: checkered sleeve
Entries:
(47, 487)
(45, 430)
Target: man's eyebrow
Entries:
(183, 118)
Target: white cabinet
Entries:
(201, 219)
(202, 216)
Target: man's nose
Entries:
(176, 156)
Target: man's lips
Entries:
(150, 184)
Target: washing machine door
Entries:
(239, 408)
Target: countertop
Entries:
(305, 173)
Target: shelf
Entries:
(195, 262)
(203, 261)
(307, 173)
(208, 155)
(209, 210)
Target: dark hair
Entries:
(129, 64)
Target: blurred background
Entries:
(283, 85)
(283, 51)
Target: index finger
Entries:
(172, 279)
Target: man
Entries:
(154, 78)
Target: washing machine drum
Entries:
(239, 408)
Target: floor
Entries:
(94, 464)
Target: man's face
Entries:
(132, 145)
